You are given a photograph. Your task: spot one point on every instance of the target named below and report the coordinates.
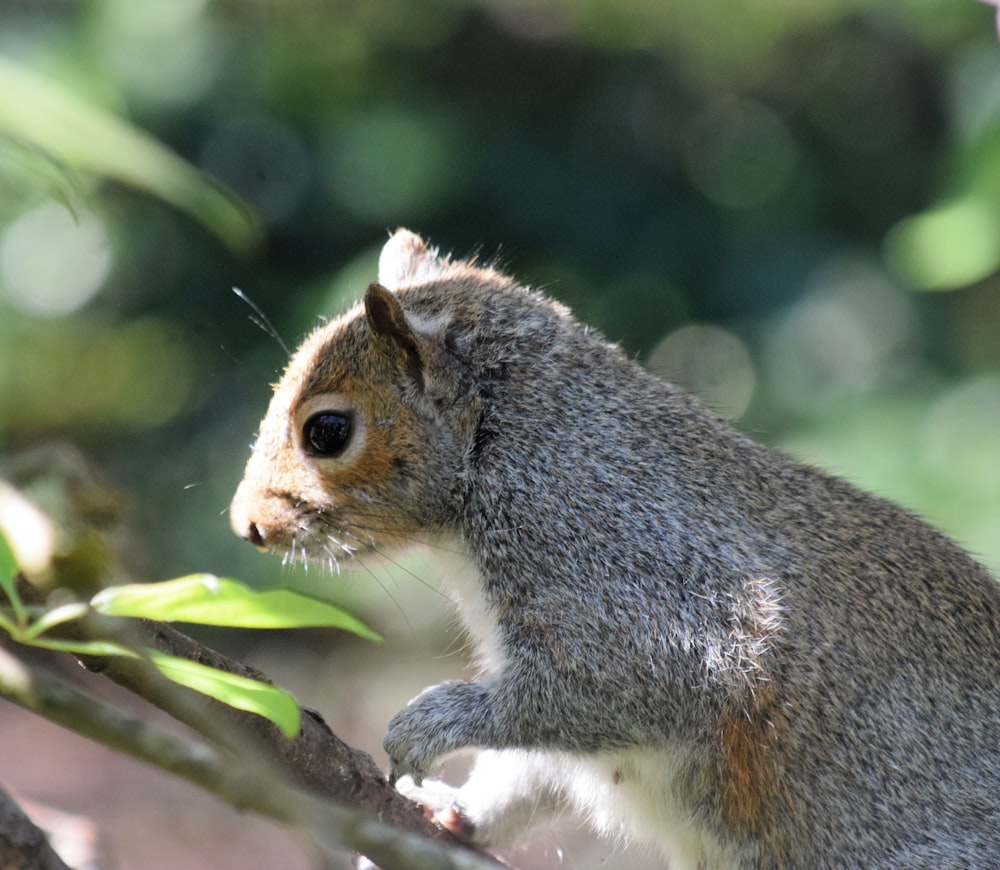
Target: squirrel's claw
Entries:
(432, 725)
(403, 744)
(406, 756)
(398, 771)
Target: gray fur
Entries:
(815, 670)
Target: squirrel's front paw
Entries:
(441, 804)
(446, 717)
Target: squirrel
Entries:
(698, 642)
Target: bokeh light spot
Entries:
(388, 165)
(712, 363)
(739, 153)
(53, 260)
(948, 247)
(961, 429)
(166, 51)
(851, 331)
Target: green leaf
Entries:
(209, 600)
(8, 564)
(8, 624)
(42, 115)
(51, 618)
(82, 647)
(239, 692)
(8, 578)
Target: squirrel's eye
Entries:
(326, 433)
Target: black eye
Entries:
(326, 434)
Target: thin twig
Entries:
(332, 826)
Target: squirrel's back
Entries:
(857, 650)
(731, 653)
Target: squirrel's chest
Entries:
(458, 574)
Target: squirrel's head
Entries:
(362, 445)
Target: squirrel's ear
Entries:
(388, 321)
(407, 260)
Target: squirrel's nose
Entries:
(254, 536)
(251, 532)
(242, 522)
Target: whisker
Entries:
(262, 321)
(399, 566)
(390, 596)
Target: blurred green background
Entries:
(792, 208)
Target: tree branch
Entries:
(315, 759)
(23, 845)
(239, 782)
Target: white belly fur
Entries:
(629, 796)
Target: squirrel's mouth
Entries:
(329, 550)
(320, 538)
